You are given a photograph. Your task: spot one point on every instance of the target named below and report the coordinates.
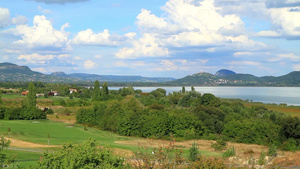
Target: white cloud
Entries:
(188, 24)
(88, 37)
(242, 53)
(41, 35)
(285, 56)
(44, 11)
(38, 58)
(19, 20)
(145, 46)
(88, 64)
(4, 17)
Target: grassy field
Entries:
(58, 133)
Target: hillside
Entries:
(207, 79)
(224, 72)
(112, 78)
(14, 73)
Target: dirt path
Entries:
(25, 144)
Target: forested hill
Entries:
(207, 79)
(14, 73)
(112, 78)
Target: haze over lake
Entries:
(288, 95)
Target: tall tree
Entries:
(31, 96)
(96, 92)
(105, 88)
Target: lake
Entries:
(288, 95)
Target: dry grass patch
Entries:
(25, 144)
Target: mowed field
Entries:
(29, 139)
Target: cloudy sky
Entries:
(156, 38)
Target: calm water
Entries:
(288, 95)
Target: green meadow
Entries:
(58, 133)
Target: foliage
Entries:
(161, 157)
(272, 151)
(219, 145)
(262, 158)
(229, 152)
(80, 156)
(3, 144)
(194, 152)
(208, 162)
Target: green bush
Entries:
(229, 152)
(219, 145)
(194, 152)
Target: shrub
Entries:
(194, 152)
(262, 158)
(272, 150)
(228, 153)
(219, 145)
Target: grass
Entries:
(24, 158)
(37, 131)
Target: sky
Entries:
(157, 38)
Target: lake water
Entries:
(288, 95)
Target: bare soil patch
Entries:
(25, 144)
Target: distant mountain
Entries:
(207, 79)
(9, 68)
(224, 72)
(14, 73)
(112, 78)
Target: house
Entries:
(25, 93)
(39, 94)
(53, 93)
(72, 90)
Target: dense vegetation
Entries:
(188, 115)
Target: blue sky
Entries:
(157, 38)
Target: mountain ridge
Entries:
(14, 73)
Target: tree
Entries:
(96, 92)
(192, 88)
(31, 96)
(3, 144)
(183, 89)
(105, 88)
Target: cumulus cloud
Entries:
(4, 17)
(88, 37)
(59, 1)
(286, 24)
(188, 23)
(145, 46)
(88, 64)
(38, 58)
(19, 20)
(42, 35)
(284, 57)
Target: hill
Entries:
(207, 79)
(224, 72)
(112, 78)
(14, 73)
